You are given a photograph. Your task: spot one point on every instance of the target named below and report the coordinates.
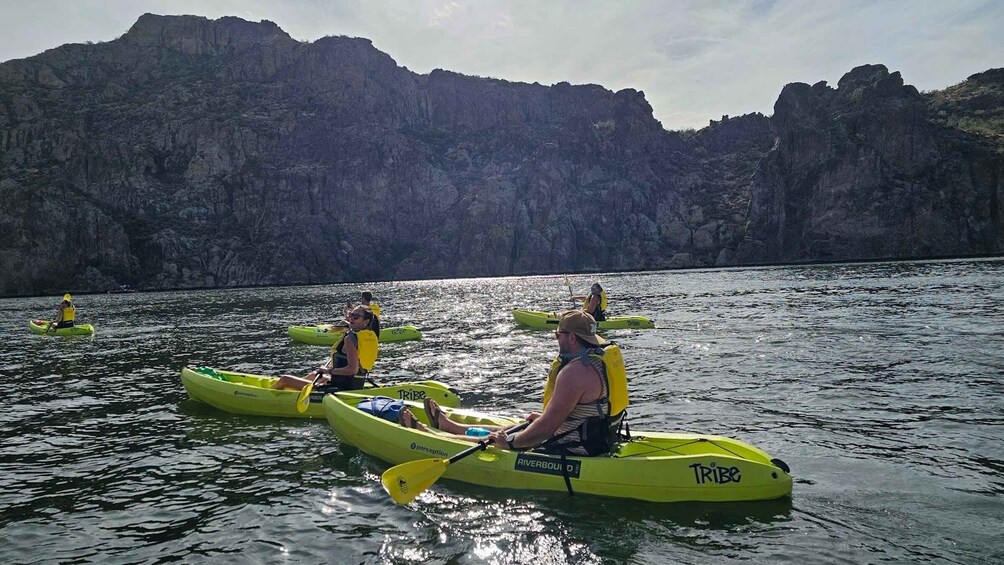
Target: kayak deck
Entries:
(327, 334)
(242, 393)
(543, 320)
(40, 326)
(653, 466)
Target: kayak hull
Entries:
(325, 334)
(242, 393)
(653, 466)
(549, 320)
(39, 327)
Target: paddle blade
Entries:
(303, 400)
(406, 481)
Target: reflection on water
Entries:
(880, 384)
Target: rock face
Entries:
(862, 172)
(192, 153)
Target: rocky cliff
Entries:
(191, 152)
(864, 172)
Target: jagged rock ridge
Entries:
(192, 152)
(862, 172)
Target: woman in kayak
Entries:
(585, 398)
(66, 314)
(595, 303)
(352, 357)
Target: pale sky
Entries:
(695, 60)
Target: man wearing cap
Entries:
(65, 314)
(585, 397)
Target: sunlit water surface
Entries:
(880, 384)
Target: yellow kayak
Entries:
(326, 334)
(40, 326)
(653, 466)
(544, 320)
(242, 393)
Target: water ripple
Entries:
(879, 383)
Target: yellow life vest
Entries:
(69, 313)
(375, 308)
(616, 375)
(367, 347)
(603, 300)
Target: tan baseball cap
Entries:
(582, 325)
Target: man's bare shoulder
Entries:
(577, 367)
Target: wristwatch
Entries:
(508, 441)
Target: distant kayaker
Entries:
(365, 299)
(66, 313)
(594, 303)
(585, 398)
(352, 357)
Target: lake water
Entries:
(881, 385)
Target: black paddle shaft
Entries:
(483, 444)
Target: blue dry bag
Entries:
(382, 407)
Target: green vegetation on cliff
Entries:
(975, 105)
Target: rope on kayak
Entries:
(656, 449)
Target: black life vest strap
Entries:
(556, 437)
(564, 473)
(626, 436)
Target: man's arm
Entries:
(568, 390)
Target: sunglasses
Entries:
(354, 316)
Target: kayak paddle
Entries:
(406, 481)
(303, 399)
